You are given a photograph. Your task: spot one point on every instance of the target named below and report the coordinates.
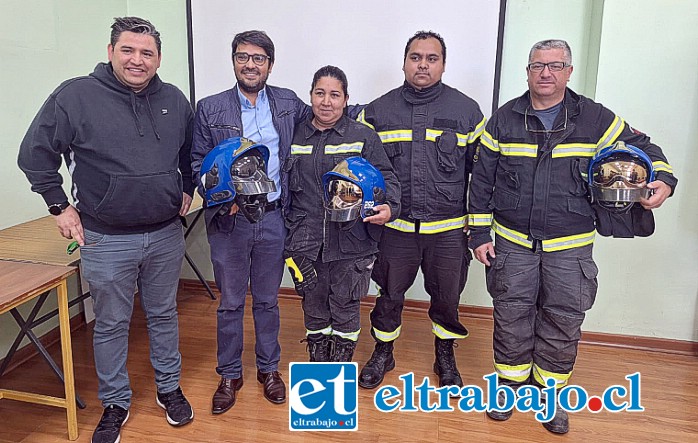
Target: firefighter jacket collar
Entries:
(419, 97)
(570, 101)
(309, 129)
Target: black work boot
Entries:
(319, 346)
(501, 399)
(445, 364)
(381, 361)
(343, 349)
(560, 424)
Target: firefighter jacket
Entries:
(530, 184)
(430, 138)
(313, 153)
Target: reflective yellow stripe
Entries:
(431, 134)
(402, 135)
(401, 225)
(477, 132)
(511, 235)
(574, 150)
(362, 119)
(490, 143)
(443, 334)
(345, 148)
(662, 166)
(518, 373)
(550, 245)
(479, 219)
(293, 267)
(463, 139)
(612, 133)
(519, 149)
(387, 336)
(442, 225)
(353, 336)
(300, 149)
(433, 227)
(540, 375)
(569, 242)
(324, 331)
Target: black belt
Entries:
(272, 206)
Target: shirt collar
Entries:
(246, 103)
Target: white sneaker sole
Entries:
(167, 416)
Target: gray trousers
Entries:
(540, 299)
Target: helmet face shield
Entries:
(352, 188)
(345, 200)
(248, 175)
(618, 176)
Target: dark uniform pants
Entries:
(539, 299)
(444, 259)
(333, 305)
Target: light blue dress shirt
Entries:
(257, 125)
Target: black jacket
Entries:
(309, 230)
(128, 153)
(529, 184)
(430, 137)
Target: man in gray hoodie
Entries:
(126, 140)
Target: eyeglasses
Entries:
(243, 57)
(546, 131)
(553, 66)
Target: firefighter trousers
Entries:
(443, 258)
(540, 299)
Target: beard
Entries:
(251, 87)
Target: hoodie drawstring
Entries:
(152, 117)
(136, 120)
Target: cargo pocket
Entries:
(580, 173)
(446, 151)
(494, 276)
(589, 284)
(354, 240)
(294, 178)
(361, 277)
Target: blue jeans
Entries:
(243, 252)
(114, 265)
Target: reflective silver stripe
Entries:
(517, 373)
(362, 119)
(519, 149)
(299, 149)
(387, 336)
(569, 242)
(345, 148)
(477, 132)
(488, 142)
(443, 334)
(511, 235)
(574, 150)
(401, 225)
(324, 331)
(404, 135)
(441, 225)
(662, 166)
(353, 336)
(541, 375)
(612, 133)
(431, 134)
(479, 219)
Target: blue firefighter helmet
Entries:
(236, 171)
(352, 188)
(618, 176)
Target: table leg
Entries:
(67, 351)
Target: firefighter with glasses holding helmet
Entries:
(342, 190)
(554, 168)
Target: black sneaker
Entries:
(108, 429)
(179, 411)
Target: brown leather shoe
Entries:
(224, 397)
(274, 387)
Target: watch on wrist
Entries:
(58, 208)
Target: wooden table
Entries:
(21, 282)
